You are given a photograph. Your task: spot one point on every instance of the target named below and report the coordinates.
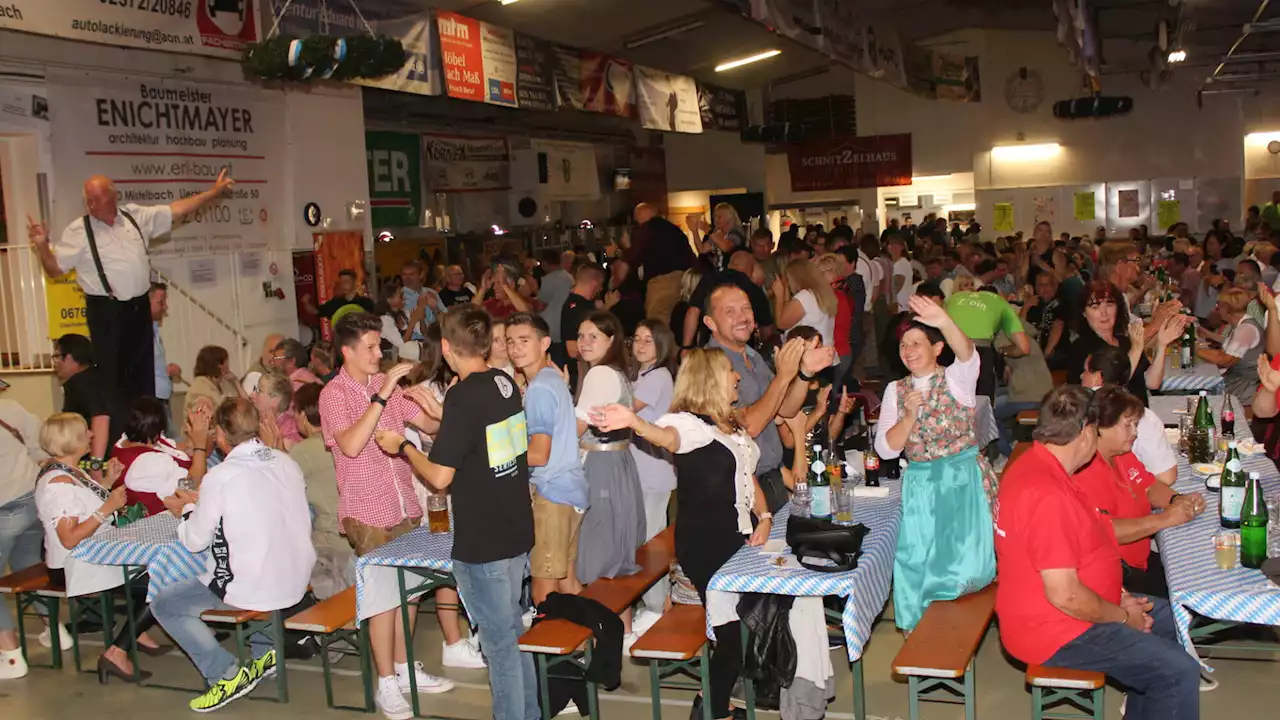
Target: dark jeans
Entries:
(123, 341)
(1149, 582)
(1163, 681)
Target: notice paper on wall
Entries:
(202, 272)
(1168, 212)
(250, 264)
(1002, 217)
(1127, 203)
(1085, 206)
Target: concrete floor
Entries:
(1248, 689)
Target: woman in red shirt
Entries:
(1120, 487)
(157, 477)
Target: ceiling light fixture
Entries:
(508, 2)
(1261, 138)
(663, 34)
(1026, 152)
(1177, 56)
(959, 207)
(747, 60)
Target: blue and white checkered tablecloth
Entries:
(865, 588)
(1203, 376)
(151, 542)
(417, 549)
(1195, 581)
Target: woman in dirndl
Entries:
(945, 543)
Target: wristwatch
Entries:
(378, 399)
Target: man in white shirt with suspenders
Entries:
(107, 248)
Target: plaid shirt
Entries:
(373, 487)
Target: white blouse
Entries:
(962, 381)
(602, 385)
(58, 500)
(695, 434)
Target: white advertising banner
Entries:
(571, 170)
(420, 73)
(667, 102)
(220, 28)
(498, 56)
(463, 163)
(161, 141)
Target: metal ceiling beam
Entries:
(1257, 17)
(1263, 56)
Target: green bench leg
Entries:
(913, 697)
(1080, 703)
(859, 691)
(593, 692)
(282, 681)
(544, 699)
(970, 692)
(27, 604)
(1037, 703)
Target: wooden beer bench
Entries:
(939, 653)
(1082, 689)
(246, 623)
(334, 620)
(556, 641)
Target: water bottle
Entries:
(801, 500)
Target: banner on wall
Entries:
(956, 78)
(1085, 209)
(161, 141)
(461, 163)
(722, 108)
(571, 172)
(1002, 217)
(568, 76)
(845, 163)
(395, 178)
(65, 301)
(335, 252)
(795, 19)
(1045, 208)
(608, 84)
(478, 59)
(218, 28)
(1127, 203)
(304, 287)
(1168, 213)
(535, 73)
(420, 73)
(667, 102)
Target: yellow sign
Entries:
(1002, 217)
(1085, 206)
(1169, 213)
(65, 302)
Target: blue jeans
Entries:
(491, 593)
(21, 539)
(1004, 410)
(177, 608)
(1162, 679)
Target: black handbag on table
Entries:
(836, 546)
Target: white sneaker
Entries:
(427, 684)
(391, 701)
(1124, 703)
(12, 665)
(64, 638)
(643, 620)
(527, 618)
(627, 641)
(462, 654)
(1207, 684)
(570, 709)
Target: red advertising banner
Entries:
(335, 252)
(608, 84)
(304, 287)
(461, 56)
(852, 162)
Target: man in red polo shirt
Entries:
(376, 500)
(1059, 597)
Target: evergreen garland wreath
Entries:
(322, 57)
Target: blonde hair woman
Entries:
(723, 236)
(716, 495)
(684, 312)
(1242, 343)
(964, 283)
(805, 298)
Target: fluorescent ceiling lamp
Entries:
(1177, 56)
(747, 60)
(960, 207)
(926, 178)
(1261, 138)
(662, 34)
(1042, 151)
(508, 2)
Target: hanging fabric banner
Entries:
(608, 84)
(460, 163)
(571, 170)
(535, 73)
(667, 102)
(851, 162)
(722, 108)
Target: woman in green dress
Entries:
(945, 543)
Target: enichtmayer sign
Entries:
(851, 162)
(220, 28)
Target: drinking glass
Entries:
(1273, 526)
(843, 500)
(1186, 424)
(1224, 439)
(187, 483)
(438, 514)
(1226, 548)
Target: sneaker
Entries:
(390, 700)
(1207, 684)
(570, 709)
(1124, 703)
(527, 618)
(224, 691)
(643, 620)
(64, 638)
(265, 666)
(627, 641)
(427, 684)
(12, 665)
(462, 654)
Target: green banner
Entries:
(395, 178)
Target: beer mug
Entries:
(438, 514)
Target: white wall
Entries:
(713, 159)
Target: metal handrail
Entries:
(239, 336)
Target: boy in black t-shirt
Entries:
(481, 452)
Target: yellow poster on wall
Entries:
(1168, 213)
(65, 302)
(1002, 217)
(1085, 206)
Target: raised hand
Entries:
(394, 375)
(223, 182)
(269, 431)
(928, 312)
(846, 402)
(37, 232)
(816, 357)
(787, 360)
(426, 400)
(1266, 297)
(1268, 376)
(1171, 330)
(1137, 333)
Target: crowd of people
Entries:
(556, 405)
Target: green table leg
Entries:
(544, 699)
(408, 643)
(593, 693)
(913, 698)
(859, 691)
(970, 693)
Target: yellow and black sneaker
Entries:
(224, 691)
(265, 666)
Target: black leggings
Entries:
(726, 666)
(143, 619)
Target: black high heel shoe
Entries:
(108, 669)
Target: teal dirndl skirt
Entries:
(946, 541)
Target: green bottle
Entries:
(819, 487)
(1231, 501)
(1204, 421)
(1253, 525)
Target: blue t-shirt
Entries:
(548, 410)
